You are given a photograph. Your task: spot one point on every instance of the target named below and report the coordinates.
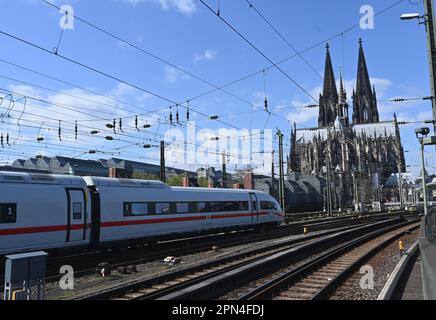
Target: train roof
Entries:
(216, 190)
(118, 182)
(38, 178)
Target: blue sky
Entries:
(189, 36)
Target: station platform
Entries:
(411, 288)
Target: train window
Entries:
(77, 210)
(232, 206)
(203, 207)
(182, 207)
(8, 213)
(254, 205)
(136, 209)
(193, 207)
(163, 208)
(243, 205)
(268, 205)
(216, 206)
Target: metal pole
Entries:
(273, 180)
(431, 46)
(327, 161)
(281, 173)
(224, 171)
(162, 161)
(424, 185)
(329, 193)
(400, 186)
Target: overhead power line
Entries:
(100, 72)
(283, 38)
(148, 53)
(259, 51)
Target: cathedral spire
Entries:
(363, 83)
(329, 76)
(343, 105)
(364, 99)
(342, 93)
(329, 98)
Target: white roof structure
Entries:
(37, 178)
(132, 183)
(371, 130)
(375, 130)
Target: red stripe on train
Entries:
(176, 219)
(28, 230)
(39, 229)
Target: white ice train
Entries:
(42, 212)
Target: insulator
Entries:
(213, 117)
(145, 126)
(95, 132)
(114, 125)
(1, 140)
(109, 125)
(121, 125)
(60, 131)
(75, 131)
(187, 115)
(7, 139)
(171, 117)
(109, 138)
(136, 123)
(266, 104)
(92, 151)
(147, 146)
(177, 116)
(39, 139)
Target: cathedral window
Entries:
(365, 115)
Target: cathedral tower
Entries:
(364, 97)
(329, 99)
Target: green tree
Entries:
(176, 181)
(202, 182)
(145, 176)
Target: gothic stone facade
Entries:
(360, 153)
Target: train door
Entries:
(76, 215)
(254, 208)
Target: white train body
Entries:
(41, 212)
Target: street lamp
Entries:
(428, 19)
(421, 134)
(411, 16)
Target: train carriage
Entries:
(42, 212)
(51, 212)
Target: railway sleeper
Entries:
(293, 296)
(318, 285)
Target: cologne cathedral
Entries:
(356, 154)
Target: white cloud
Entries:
(300, 115)
(171, 74)
(122, 44)
(187, 7)
(205, 56)
(25, 90)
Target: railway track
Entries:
(322, 276)
(209, 280)
(85, 263)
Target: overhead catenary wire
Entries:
(283, 38)
(173, 103)
(260, 52)
(271, 66)
(148, 53)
